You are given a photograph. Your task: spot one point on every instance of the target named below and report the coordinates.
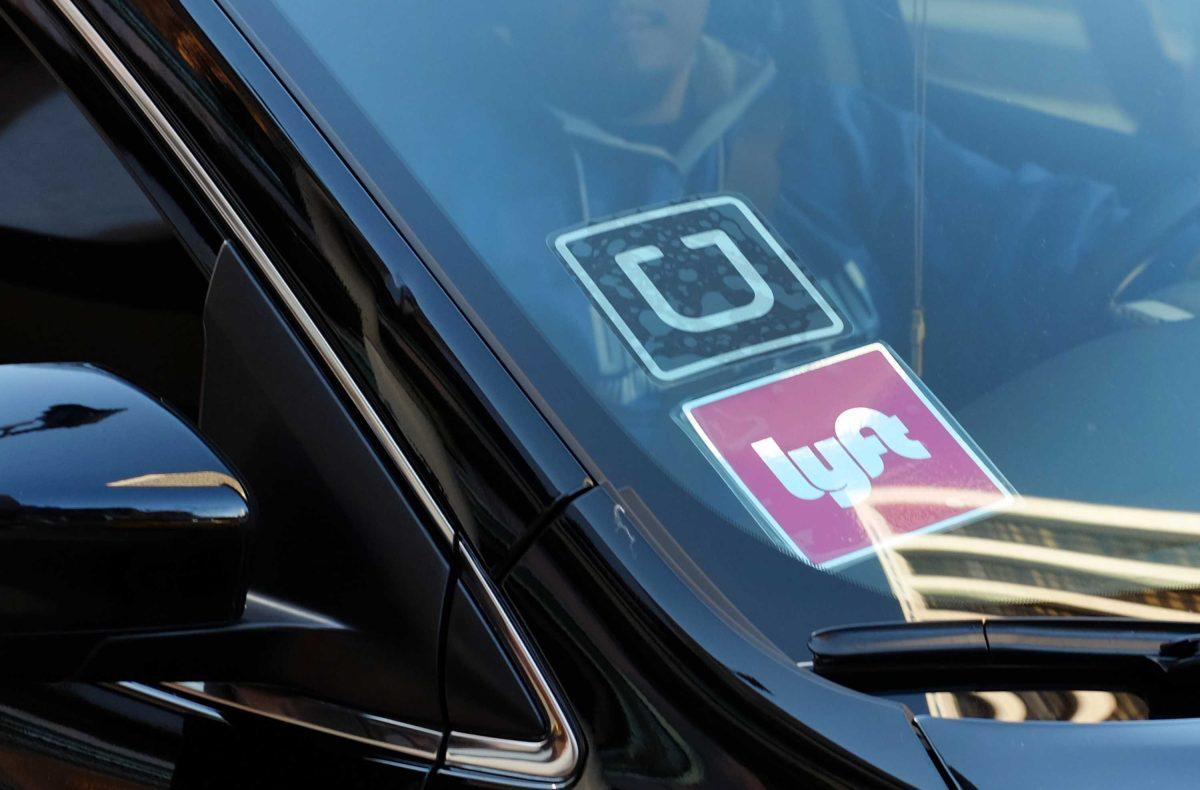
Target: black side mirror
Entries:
(115, 516)
(124, 545)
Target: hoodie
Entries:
(833, 171)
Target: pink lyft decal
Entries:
(846, 454)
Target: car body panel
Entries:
(479, 436)
(668, 698)
(349, 548)
(491, 464)
(988, 754)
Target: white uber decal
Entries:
(631, 262)
(696, 285)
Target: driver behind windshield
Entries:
(603, 107)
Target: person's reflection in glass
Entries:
(641, 102)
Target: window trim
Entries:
(552, 761)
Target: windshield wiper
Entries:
(1067, 652)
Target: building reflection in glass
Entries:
(1041, 557)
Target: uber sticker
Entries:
(844, 455)
(696, 285)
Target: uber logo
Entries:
(696, 285)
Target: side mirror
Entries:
(115, 516)
(124, 545)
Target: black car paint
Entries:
(688, 694)
(84, 458)
(986, 754)
(377, 568)
(654, 707)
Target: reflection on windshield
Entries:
(1044, 557)
(714, 215)
(1081, 707)
(1069, 557)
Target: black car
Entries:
(722, 393)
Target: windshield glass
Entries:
(871, 309)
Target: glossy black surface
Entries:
(458, 413)
(114, 514)
(336, 536)
(1154, 660)
(189, 749)
(497, 467)
(992, 754)
(127, 134)
(76, 735)
(261, 647)
(693, 693)
(653, 708)
(485, 694)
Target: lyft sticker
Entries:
(842, 456)
(696, 285)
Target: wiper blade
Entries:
(1067, 651)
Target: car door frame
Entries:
(199, 207)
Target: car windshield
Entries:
(862, 310)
